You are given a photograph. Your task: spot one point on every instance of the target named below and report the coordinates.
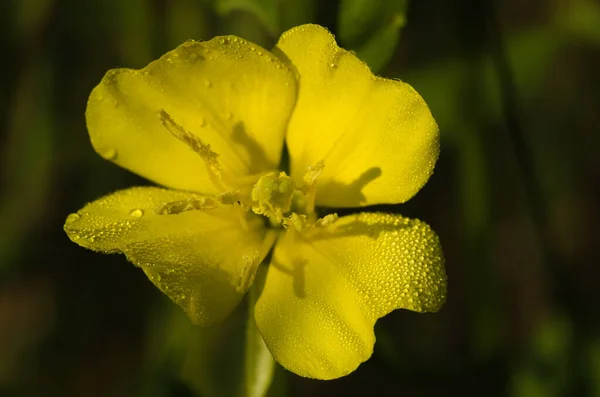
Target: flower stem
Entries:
(259, 365)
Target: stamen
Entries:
(302, 224)
(272, 195)
(314, 171)
(188, 204)
(193, 142)
(295, 221)
(309, 187)
(327, 220)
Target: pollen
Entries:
(272, 195)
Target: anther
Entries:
(211, 159)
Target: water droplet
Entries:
(207, 83)
(259, 52)
(72, 218)
(108, 154)
(333, 65)
(202, 122)
(221, 41)
(228, 116)
(136, 213)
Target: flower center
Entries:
(275, 195)
(272, 195)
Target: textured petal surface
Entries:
(233, 95)
(325, 289)
(204, 260)
(377, 137)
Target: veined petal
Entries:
(325, 289)
(376, 136)
(204, 260)
(231, 94)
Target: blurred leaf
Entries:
(594, 366)
(27, 158)
(581, 19)
(247, 26)
(30, 16)
(441, 84)
(264, 10)
(528, 53)
(228, 359)
(186, 19)
(135, 25)
(544, 371)
(296, 12)
(372, 29)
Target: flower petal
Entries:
(377, 137)
(232, 94)
(325, 290)
(204, 260)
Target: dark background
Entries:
(515, 88)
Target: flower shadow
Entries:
(352, 192)
(298, 266)
(256, 154)
(297, 271)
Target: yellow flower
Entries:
(208, 120)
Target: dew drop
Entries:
(207, 83)
(108, 154)
(72, 218)
(136, 213)
(333, 65)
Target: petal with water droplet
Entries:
(376, 136)
(204, 260)
(231, 98)
(325, 289)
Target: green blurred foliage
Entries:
(371, 28)
(514, 88)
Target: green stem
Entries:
(259, 365)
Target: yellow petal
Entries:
(231, 94)
(376, 136)
(325, 289)
(204, 260)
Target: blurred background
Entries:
(515, 88)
